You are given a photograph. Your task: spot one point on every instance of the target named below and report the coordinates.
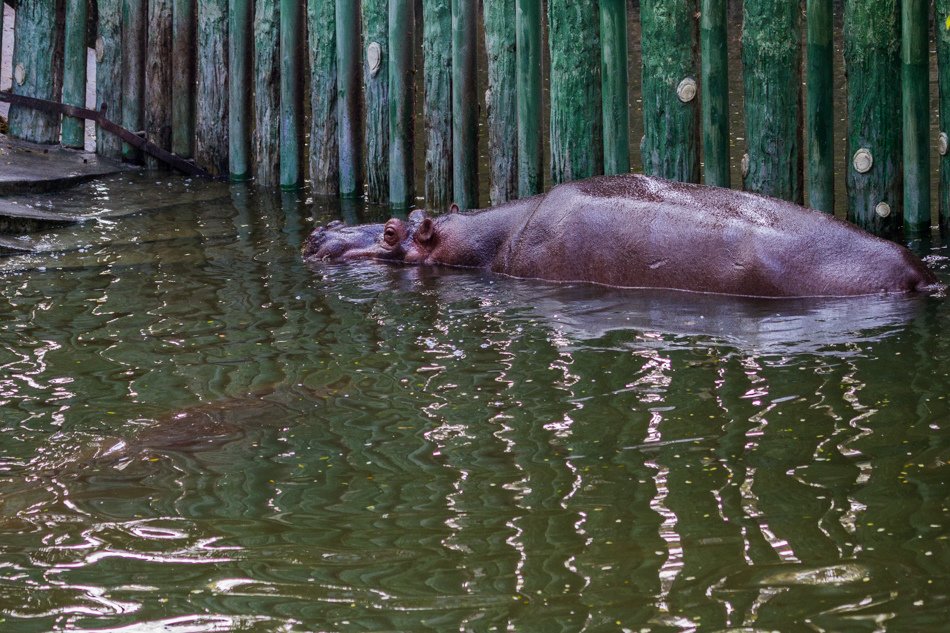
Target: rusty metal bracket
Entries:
(99, 117)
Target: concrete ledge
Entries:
(30, 168)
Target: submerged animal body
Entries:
(642, 232)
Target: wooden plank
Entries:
(613, 36)
(376, 91)
(437, 102)
(291, 95)
(324, 144)
(348, 98)
(134, 17)
(401, 92)
(915, 82)
(158, 78)
(528, 67)
(464, 104)
(501, 99)
(266, 135)
(109, 73)
(714, 104)
(211, 97)
(183, 76)
(37, 68)
(942, 27)
(239, 73)
(74, 71)
(820, 136)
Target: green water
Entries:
(202, 434)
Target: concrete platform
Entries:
(27, 167)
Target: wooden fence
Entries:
(224, 82)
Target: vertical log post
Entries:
(239, 120)
(291, 95)
(348, 97)
(109, 73)
(376, 91)
(401, 45)
(211, 102)
(771, 62)
(613, 36)
(464, 104)
(942, 15)
(37, 68)
(266, 135)
(577, 141)
(528, 63)
(820, 136)
(134, 17)
(74, 70)
(437, 102)
(183, 77)
(872, 59)
(158, 77)
(324, 146)
(915, 21)
(501, 99)
(715, 91)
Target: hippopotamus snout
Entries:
(335, 241)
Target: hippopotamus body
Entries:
(642, 232)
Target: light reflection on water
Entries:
(203, 434)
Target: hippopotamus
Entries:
(637, 231)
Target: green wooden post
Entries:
(376, 91)
(239, 52)
(915, 21)
(134, 15)
(501, 99)
(437, 104)
(183, 77)
(820, 126)
(266, 134)
(74, 71)
(714, 102)
(771, 61)
(109, 73)
(37, 68)
(158, 77)
(348, 98)
(942, 15)
(211, 98)
(401, 46)
(613, 35)
(464, 104)
(577, 141)
(872, 60)
(324, 144)
(291, 96)
(528, 68)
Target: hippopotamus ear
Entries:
(425, 234)
(454, 208)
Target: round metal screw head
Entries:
(374, 58)
(745, 165)
(100, 49)
(686, 91)
(882, 209)
(942, 143)
(19, 74)
(863, 161)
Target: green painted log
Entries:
(291, 95)
(771, 62)
(437, 102)
(715, 98)
(211, 97)
(501, 99)
(74, 71)
(324, 147)
(349, 130)
(376, 82)
(134, 17)
(183, 77)
(942, 14)
(528, 68)
(464, 104)
(613, 37)
(109, 73)
(401, 92)
(915, 60)
(239, 116)
(872, 49)
(819, 78)
(577, 142)
(37, 68)
(158, 78)
(266, 135)
(670, 105)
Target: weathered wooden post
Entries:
(158, 77)
(613, 36)
(464, 104)
(501, 99)
(577, 141)
(211, 103)
(771, 61)
(109, 73)
(324, 145)
(239, 123)
(291, 95)
(437, 102)
(872, 59)
(820, 136)
(528, 68)
(134, 16)
(266, 136)
(401, 45)
(74, 70)
(714, 101)
(942, 15)
(37, 68)
(183, 77)
(348, 98)
(915, 59)
(376, 92)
